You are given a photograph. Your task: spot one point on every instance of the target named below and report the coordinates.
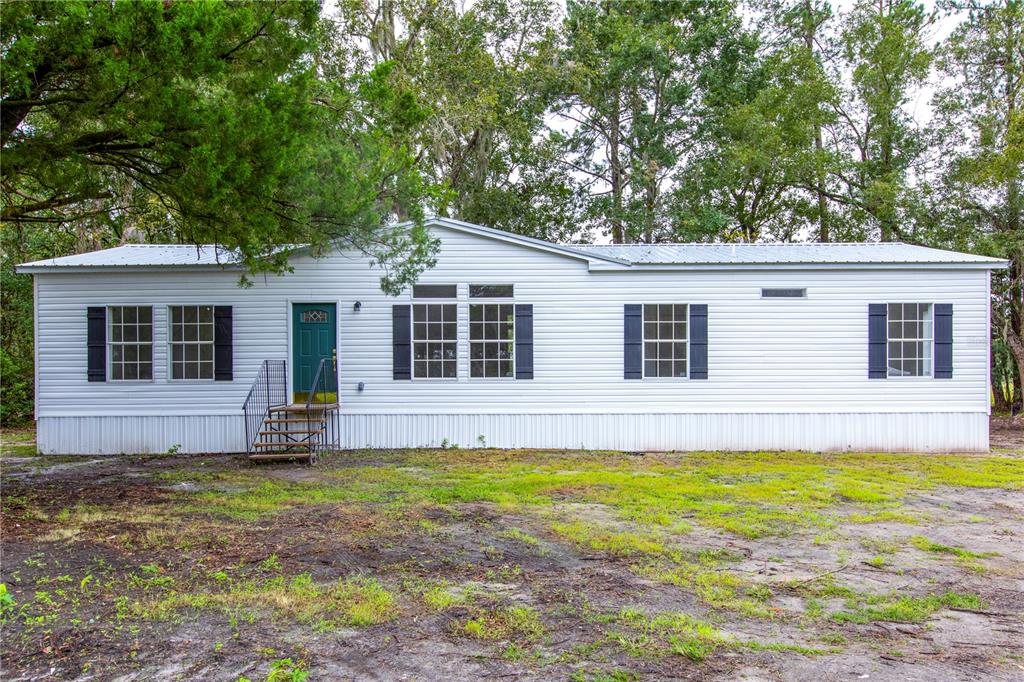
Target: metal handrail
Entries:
(270, 389)
(328, 435)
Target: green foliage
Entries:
(287, 670)
(903, 609)
(7, 603)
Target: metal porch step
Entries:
(292, 431)
(318, 407)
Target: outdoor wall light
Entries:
(357, 306)
(360, 386)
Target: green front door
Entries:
(314, 338)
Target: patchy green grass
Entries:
(753, 552)
(926, 545)
(903, 609)
(520, 623)
(346, 602)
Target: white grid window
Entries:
(665, 329)
(909, 339)
(191, 341)
(434, 341)
(130, 342)
(492, 340)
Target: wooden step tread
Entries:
(283, 444)
(283, 420)
(291, 431)
(279, 455)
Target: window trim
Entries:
(170, 343)
(643, 345)
(929, 342)
(110, 344)
(485, 301)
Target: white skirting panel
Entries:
(142, 435)
(894, 432)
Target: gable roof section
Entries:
(597, 256)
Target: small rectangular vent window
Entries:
(783, 293)
(490, 290)
(434, 291)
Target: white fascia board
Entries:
(74, 269)
(599, 267)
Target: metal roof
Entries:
(614, 255)
(790, 253)
(139, 255)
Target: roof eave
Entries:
(976, 265)
(31, 269)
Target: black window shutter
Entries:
(223, 343)
(96, 343)
(524, 341)
(877, 354)
(633, 341)
(943, 340)
(401, 342)
(699, 341)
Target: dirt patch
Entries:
(1007, 433)
(498, 565)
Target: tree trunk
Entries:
(999, 402)
(1013, 339)
(614, 136)
(810, 29)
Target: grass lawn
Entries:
(493, 564)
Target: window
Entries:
(665, 327)
(909, 339)
(191, 341)
(434, 340)
(492, 340)
(490, 290)
(131, 343)
(783, 293)
(434, 291)
(314, 316)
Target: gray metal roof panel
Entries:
(137, 255)
(790, 253)
(183, 255)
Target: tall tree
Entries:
(635, 76)
(208, 117)
(752, 175)
(981, 125)
(886, 52)
(486, 72)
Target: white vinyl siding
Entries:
(784, 356)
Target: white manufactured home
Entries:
(514, 342)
